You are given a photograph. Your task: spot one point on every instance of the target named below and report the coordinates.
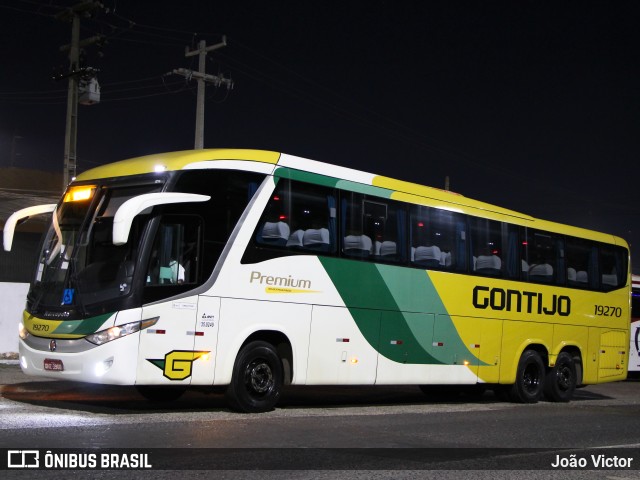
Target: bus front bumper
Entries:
(113, 363)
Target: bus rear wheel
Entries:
(257, 379)
(561, 379)
(530, 377)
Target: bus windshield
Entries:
(78, 263)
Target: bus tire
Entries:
(561, 380)
(160, 393)
(257, 378)
(530, 376)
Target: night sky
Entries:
(532, 106)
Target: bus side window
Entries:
(578, 261)
(174, 253)
(612, 267)
(541, 253)
(299, 218)
(373, 228)
(438, 239)
(486, 244)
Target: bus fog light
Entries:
(103, 367)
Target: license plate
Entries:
(53, 364)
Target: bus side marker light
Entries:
(438, 344)
(396, 342)
(474, 345)
(354, 360)
(343, 340)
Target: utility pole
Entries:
(71, 131)
(14, 154)
(201, 77)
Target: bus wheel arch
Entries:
(263, 365)
(282, 345)
(530, 375)
(563, 378)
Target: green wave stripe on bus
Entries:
(315, 178)
(82, 327)
(402, 330)
(331, 182)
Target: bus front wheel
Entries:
(530, 377)
(561, 380)
(257, 378)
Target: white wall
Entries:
(12, 301)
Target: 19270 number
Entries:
(607, 311)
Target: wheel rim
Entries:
(258, 377)
(564, 378)
(531, 379)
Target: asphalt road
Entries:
(326, 432)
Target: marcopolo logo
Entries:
(521, 301)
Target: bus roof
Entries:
(396, 189)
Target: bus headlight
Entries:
(113, 333)
(22, 332)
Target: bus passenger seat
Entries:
(275, 233)
(357, 245)
(295, 240)
(488, 265)
(316, 238)
(582, 277)
(571, 274)
(610, 279)
(428, 256)
(542, 272)
(388, 249)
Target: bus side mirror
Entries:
(128, 210)
(14, 219)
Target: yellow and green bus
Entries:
(251, 270)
